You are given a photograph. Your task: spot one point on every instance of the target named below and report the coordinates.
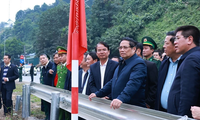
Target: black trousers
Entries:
(7, 99)
(32, 77)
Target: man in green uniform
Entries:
(149, 46)
(64, 79)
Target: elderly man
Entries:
(167, 72)
(128, 82)
(185, 91)
(47, 80)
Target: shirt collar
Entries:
(104, 63)
(46, 64)
(7, 65)
(170, 59)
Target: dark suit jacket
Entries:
(151, 83)
(129, 85)
(47, 78)
(32, 70)
(68, 81)
(54, 68)
(185, 90)
(80, 83)
(12, 75)
(95, 74)
(161, 80)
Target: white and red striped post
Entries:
(75, 75)
(74, 96)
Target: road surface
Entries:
(28, 78)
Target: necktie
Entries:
(84, 79)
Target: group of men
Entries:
(136, 78)
(172, 85)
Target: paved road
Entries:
(28, 78)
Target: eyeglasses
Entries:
(123, 47)
(177, 38)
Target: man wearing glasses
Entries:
(185, 90)
(128, 82)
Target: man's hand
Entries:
(51, 71)
(115, 104)
(195, 112)
(5, 79)
(106, 97)
(92, 95)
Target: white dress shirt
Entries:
(102, 71)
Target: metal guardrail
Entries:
(97, 109)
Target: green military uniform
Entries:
(20, 73)
(62, 74)
(150, 42)
(157, 62)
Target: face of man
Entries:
(90, 61)
(6, 60)
(63, 58)
(102, 52)
(83, 63)
(169, 48)
(156, 55)
(181, 43)
(43, 60)
(147, 51)
(125, 50)
(56, 59)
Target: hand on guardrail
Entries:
(92, 95)
(195, 112)
(51, 71)
(115, 104)
(106, 97)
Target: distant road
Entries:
(28, 78)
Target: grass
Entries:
(35, 107)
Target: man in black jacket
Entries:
(32, 72)
(9, 73)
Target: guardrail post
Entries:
(18, 102)
(26, 101)
(55, 101)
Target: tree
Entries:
(51, 24)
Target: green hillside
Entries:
(187, 14)
(44, 28)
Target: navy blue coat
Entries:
(129, 85)
(163, 70)
(80, 83)
(185, 90)
(95, 74)
(68, 81)
(47, 78)
(12, 75)
(54, 68)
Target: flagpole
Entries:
(77, 46)
(75, 75)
